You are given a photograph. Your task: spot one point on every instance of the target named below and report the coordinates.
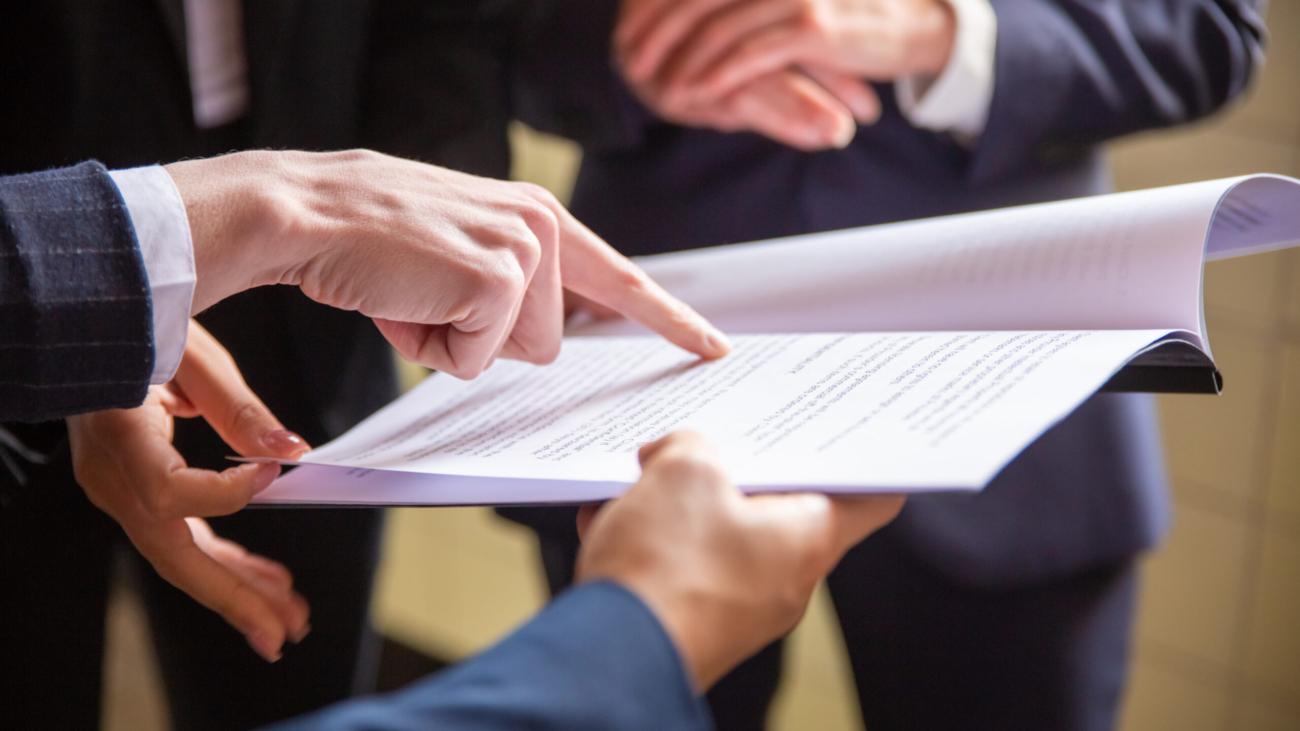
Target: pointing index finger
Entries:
(594, 270)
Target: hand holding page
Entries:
(915, 357)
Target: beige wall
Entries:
(1218, 642)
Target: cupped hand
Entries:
(125, 461)
(456, 269)
(725, 573)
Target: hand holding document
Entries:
(912, 357)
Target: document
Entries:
(909, 357)
(835, 412)
(1110, 262)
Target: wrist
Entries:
(685, 619)
(236, 209)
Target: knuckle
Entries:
(527, 249)
(495, 279)
(541, 223)
(240, 606)
(508, 278)
(537, 193)
(158, 501)
(630, 278)
(547, 352)
(688, 465)
(539, 350)
(811, 18)
(242, 416)
(358, 155)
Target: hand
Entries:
(125, 462)
(455, 269)
(726, 574)
(786, 105)
(717, 46)
(688, 61)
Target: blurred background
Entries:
(1218, 638)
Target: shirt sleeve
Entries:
(163, 230)
(957, 100)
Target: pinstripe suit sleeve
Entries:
(76, 330)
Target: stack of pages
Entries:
(918, 356)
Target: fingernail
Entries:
(719, 343)
(266, 474)
(870, 113)
(264, 645)
(301, 634)
(284, 442)
(844, 135)
(864, 112)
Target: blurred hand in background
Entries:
(797, 71)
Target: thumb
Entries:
(213, 384)
(586, 516)
(854, 518)
(823, 526)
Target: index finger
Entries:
(591, 268)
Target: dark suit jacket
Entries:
(75, 328)
(1069, 74)
(108, 80)
(596, 659)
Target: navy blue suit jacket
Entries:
(76, 332)
(1068, 75)
(596, 659)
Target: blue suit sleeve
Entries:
(76, 332)
(1072, 73)
(596, 659)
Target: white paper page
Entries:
(1123, 261)
(868, 412)
(1261, 213)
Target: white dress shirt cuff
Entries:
(163, 230)
(957, 100)
(214, 38)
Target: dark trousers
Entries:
(56, 558)
(930, 653)
(56, 552)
